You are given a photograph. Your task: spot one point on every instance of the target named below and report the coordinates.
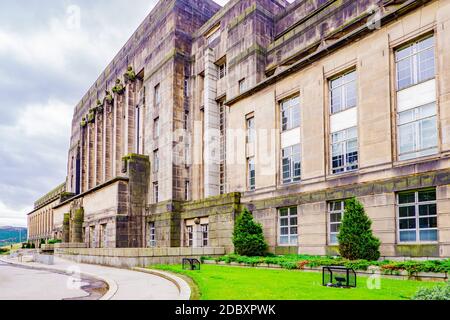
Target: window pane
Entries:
(284, 231)
(405, 212)
(407, 138)
(284, 222)
(295, 117)
(406, 197)
(406, 224)
(403, 53)
(428, 235)
(333, 238)
(293, 230)
(428, 133)
(293, 221)
(427, 195)
(428, 223)
(426, 43)
(334, 228)
(284, 239)
(407, 236)
(336, 100)
(405, 117)
(427, 210)
(350, 94)
(293, 211)
(335, 217)
(404, 73)
(426, 65)
(294, 240)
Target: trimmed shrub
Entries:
(435, 293)
(248, 237)
(356, 241)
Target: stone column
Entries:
(76, 228)
(99, 148)
(66, 228)
(108, 147)
(211, 136)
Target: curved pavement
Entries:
(124, 284)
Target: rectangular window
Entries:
(344, 150)
(187, 188)
(156, 130)
(215, 35)
(343, 93)
(186, 87)
(417, 130)
(152, 235)
(290, 114)
(103, 236)
(189, 236)
(291, 164)
(155, 192)
(155, 161)
(251, 174)
(417, 216)
(222, 70)
(223, 147)
(186, 120)
(242, 85)
(250, 130)
(336, 213)
(137, 120)
(157, 95)
(415, 63)
(288, 226)
(205, 234)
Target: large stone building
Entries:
(287, 109)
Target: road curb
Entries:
(112, 285)
(183, 286)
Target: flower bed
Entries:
(306, 261)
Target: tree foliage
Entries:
(248, 237)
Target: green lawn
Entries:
(235, 283)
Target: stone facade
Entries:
(217, 108)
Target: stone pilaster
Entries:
(66, 228)
(76, 226)
(211, 134)
(108, 147)
(99, 148)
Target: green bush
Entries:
(53, 241)
(356, 240)
(248, 237)
(435, 293)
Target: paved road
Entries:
(19, 283)
(129, 285)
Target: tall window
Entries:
(155, 192)
(290, 114)
(344, 150)
(251, 174)
(242, 85)
(223, 147)
(186, 120)
(152, 235)
(416, 97)
(138, 128)
(417, 216)
(288, 226)
(156, 129)
(155, 161)
(336, 213)
(186, 87)
(343, 92)
(222, 70)
(215, 35)
(415, 63)
(291, 164)
(205, 234)
(189, 236)
(250, 130)
(187, 188)
(103, 236)
(157, 95)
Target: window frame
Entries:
(330, 212)
(157, 95)
(418, 137)
(292, 177)
(290, 109)
(204, 229)
(344, 142)
(250, 129)
(152, 235)
(156, 128)
(156, 161)
(156, 192)
(251, 168)
(242, 85)
(289, 235)
(342, 87)
(414, 64)
(417, 216)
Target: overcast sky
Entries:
(48, 59)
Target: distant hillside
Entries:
(11, 235)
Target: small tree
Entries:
(248, 237)
(356, 240)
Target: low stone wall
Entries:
(69, 245)
(135, 257)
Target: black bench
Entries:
(191, 264)
(338, 277)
